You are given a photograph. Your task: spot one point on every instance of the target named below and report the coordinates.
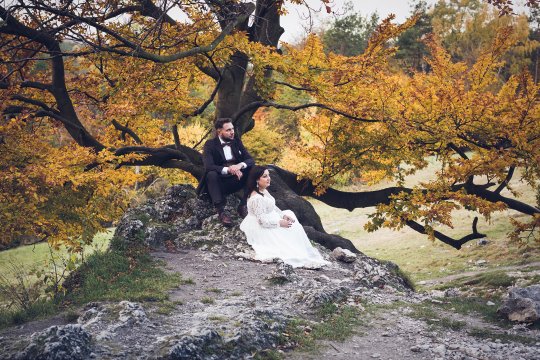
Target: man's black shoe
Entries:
(225, 219)
(242, 211)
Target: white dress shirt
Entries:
(227, 150)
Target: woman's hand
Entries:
(285, 223)
(288, 218)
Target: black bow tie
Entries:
(223, 144)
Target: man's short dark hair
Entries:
(221, 121)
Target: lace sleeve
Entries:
(256, 207)
(277, 210)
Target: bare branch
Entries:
(126, 130)
(258, 104)
(36, 85)
(506, 180)
(176, 136)
(136, 49)
(458, 151)
(455, 243)
(294, 86)
(35, 102)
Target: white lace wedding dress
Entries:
(270, 241)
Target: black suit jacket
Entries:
(214, 157)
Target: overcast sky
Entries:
(295, 22)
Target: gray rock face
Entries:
(325, 295)
(522, 304)
(282, 273)
(179, 218)
(343, 255)
(196, 347)
(68, 342)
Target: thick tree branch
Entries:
(455, 243)
(336, 198)
(506, 180)
(36, 85)
(126, 130)
(167, 157)
(259, 104)
(458, 151)
(492, 196)
(294, 87)
(329, 241)
(353, 200)
(35, 102)
(138, 51)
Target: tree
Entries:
(126, 95)
(411, 48)
(349, 34)
(466, 27)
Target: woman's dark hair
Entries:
(254, 175)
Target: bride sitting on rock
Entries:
(274, 233)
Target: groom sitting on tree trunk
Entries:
(227, 164)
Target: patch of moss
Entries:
(336, 323)
(207, 300)
(114, 275)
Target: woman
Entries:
(274, 233)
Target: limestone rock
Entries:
(68, 342)
(522, 304)
(282, 273)
(318, 297)
(196, 347)
(483, 242)
(131, 313)
(343, 255)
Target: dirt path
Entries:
(449, 278)
(400, 334)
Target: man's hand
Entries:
(235, 170)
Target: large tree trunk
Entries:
(286, 198)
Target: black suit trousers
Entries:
(219, 186)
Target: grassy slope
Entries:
(424, 259)
(31, 256)
(106, 275)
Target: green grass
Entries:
(489, 280)
(187, 281)
(428, 314)
(336, 323)
(214, 290)
(114, 276)
(167, 307)
(207, 300)
(476, 307)
(268, 354)
(39, 309)
(29, 257)
(106, 275)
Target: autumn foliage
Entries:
(113, 85)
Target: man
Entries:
(227, 164)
